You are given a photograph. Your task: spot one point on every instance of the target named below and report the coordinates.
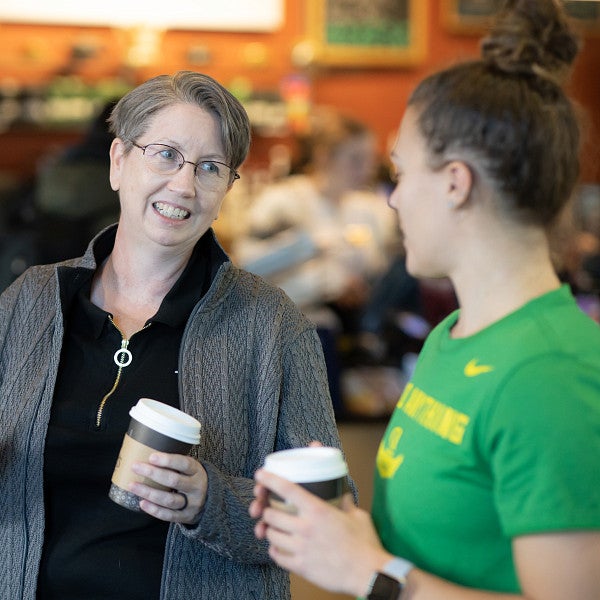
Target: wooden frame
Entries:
(468, 16)
(474, 16)
(585, 15)
(364, 33)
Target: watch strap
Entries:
(398, 568)
(388, 583)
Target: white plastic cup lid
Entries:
(167, 420)
(303, 465)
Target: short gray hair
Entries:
(131, 115)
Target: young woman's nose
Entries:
(392, 198)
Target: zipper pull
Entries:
(123, 357)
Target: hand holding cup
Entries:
(336, 548)
(153, 472)
(174, 489)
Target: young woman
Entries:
(487, 481)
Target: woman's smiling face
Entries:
(169, 210)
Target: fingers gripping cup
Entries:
(154, 426)
(320, 470)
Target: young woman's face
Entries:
(420, 200)
(169, 209)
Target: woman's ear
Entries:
(117, 155)
(459, 183)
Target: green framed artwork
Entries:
(364, 33)
(474, 16)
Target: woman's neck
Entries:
(132, 286)
(500, 279)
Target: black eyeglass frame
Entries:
(236, 175)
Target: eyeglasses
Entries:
(211, 175)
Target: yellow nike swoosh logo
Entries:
(472, 369)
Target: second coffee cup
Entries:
(320, 470)
(154, 426)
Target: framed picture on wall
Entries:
(474, 16)
(367, 33)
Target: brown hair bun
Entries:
(531, 37)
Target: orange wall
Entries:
(33, 54)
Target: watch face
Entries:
(385, 588)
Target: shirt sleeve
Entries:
(544, 445)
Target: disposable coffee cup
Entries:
(154, 426)
(320, 470)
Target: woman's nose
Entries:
(184, 180)
(391, 199)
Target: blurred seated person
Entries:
(52, 216)
(578, 253)
(400, 313)
(324, 233)
(72, 197)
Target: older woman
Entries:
(153, 309)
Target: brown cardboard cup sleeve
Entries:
(154, 426)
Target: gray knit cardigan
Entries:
(251, 371)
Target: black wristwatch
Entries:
(388, 583)
(385, 588)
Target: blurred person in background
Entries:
(72, 197)
(325, 234)
(581, 249)
(67, 202)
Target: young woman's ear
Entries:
(460, 183)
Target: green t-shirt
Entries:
(497, 435)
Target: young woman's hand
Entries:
(334, 548)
